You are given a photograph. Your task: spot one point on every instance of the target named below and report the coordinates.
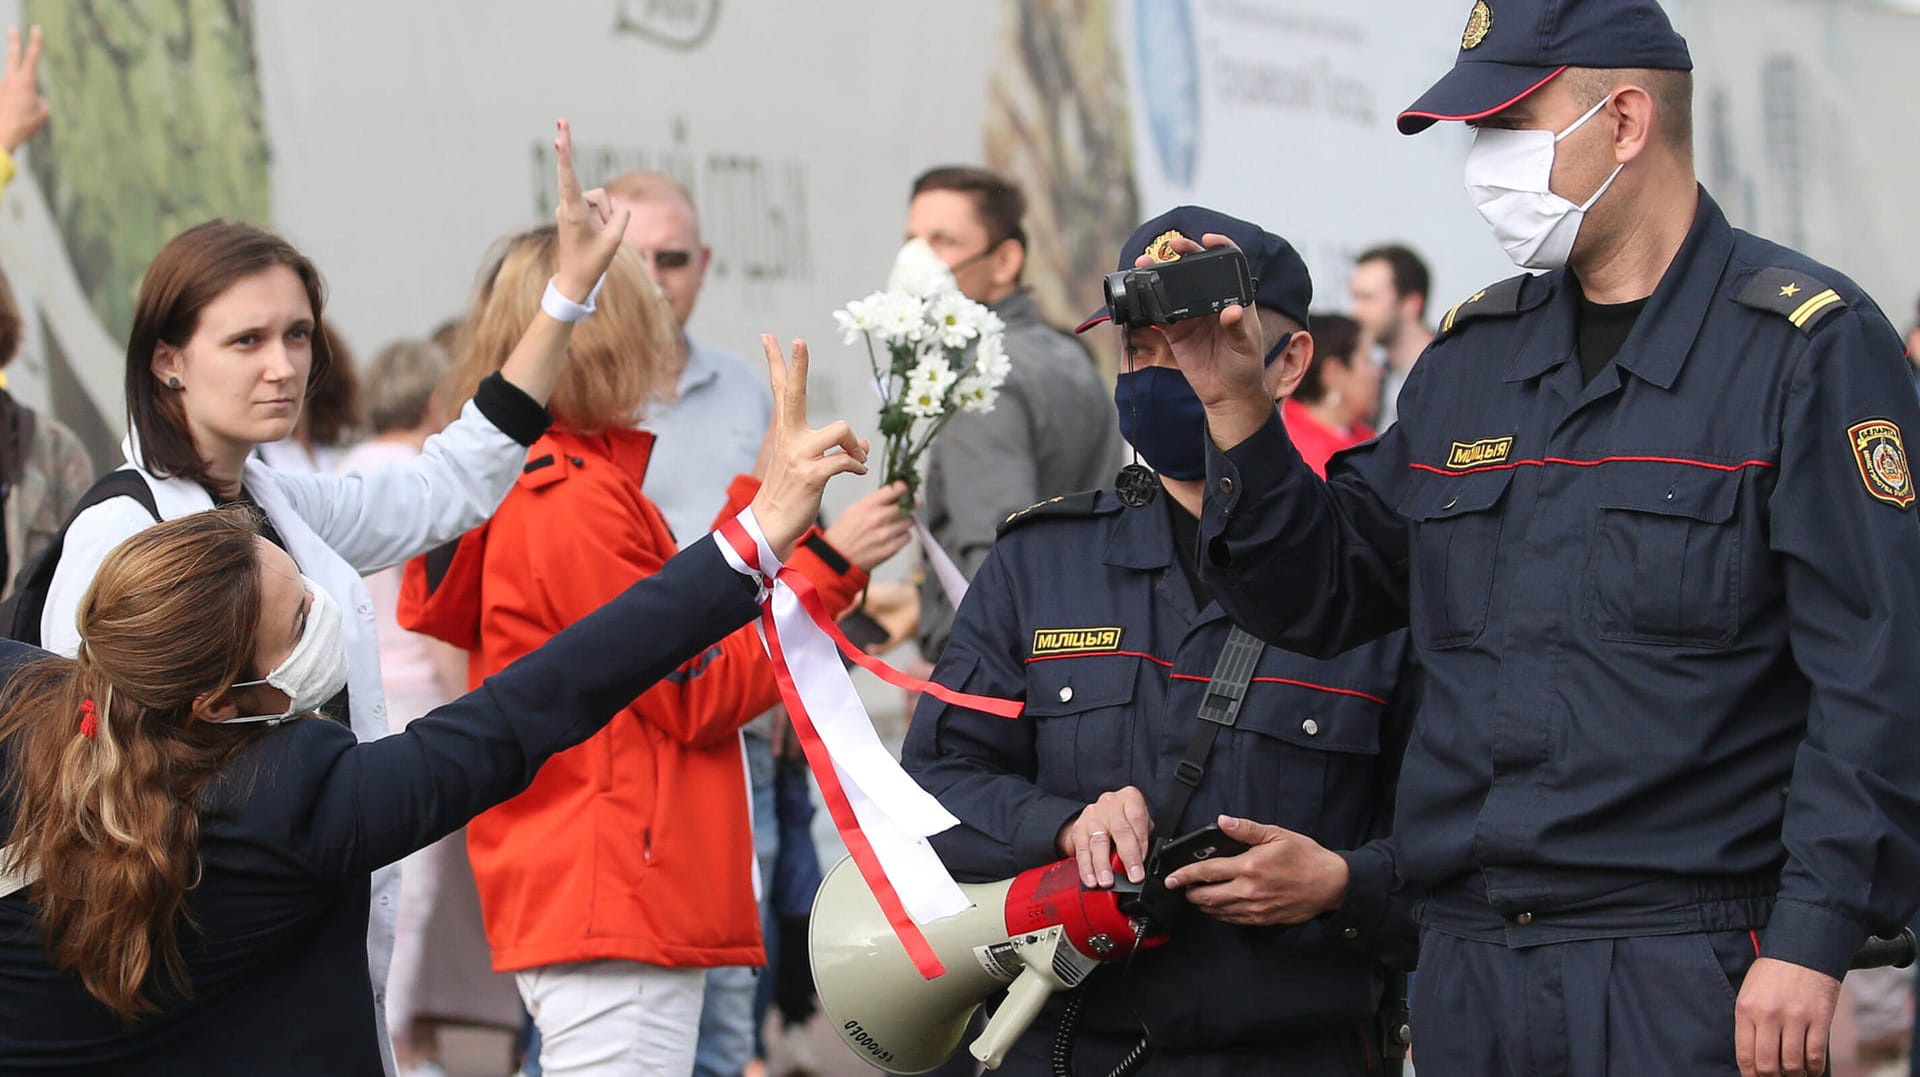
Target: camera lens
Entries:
(1118, 301)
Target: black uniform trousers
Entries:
(1648, 1004)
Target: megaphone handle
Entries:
(1026, 996)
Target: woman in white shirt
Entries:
(224, 350)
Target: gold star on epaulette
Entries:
(1790, 291)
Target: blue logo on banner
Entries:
(1169, 65)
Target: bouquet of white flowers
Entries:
(943, 356)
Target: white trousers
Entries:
(614, 1018)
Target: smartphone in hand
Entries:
(1163, 906)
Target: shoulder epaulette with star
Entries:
(1493, 301)
(1085, 503)
(1794, 296)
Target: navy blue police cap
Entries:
(1280, 280)
(1513, 47)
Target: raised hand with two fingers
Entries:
(23, 112)
(800, 459)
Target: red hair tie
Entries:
(89, 719)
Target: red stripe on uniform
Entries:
(1196, 677)
(1563, 462)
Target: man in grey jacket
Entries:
(1053, 431)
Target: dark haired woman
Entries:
(1333, 407)
(196, 872)
(331, 420)
(223, 354)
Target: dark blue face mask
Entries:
(1164, 421)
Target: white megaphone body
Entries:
(1031, 935)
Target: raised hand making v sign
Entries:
(23, 112)
(800, 459)
(589, 227)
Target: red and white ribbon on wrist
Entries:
(883, 816)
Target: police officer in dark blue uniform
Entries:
(1651, 521)
(1092, 613)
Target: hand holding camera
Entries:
(1203, 304)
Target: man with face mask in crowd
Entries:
(1050, 433)
(1088, 608)
(1650, 518)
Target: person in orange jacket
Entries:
(625, 870)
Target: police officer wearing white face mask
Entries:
(1650, 520)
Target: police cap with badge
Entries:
(1512, 48)
(1265, 270)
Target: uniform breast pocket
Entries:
(1456, 535)
(1082, 711)
(1666, 559)
(1305, 760)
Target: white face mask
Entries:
(316, 670)
(1508, 173)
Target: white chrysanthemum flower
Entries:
(990, 360)
(955, 319)
(898, 318)
(853, 322)
(976, 394)
(990, 323)
(925, 400)
(927, 387)
(919, 272)
(861, 316)
(934, 372)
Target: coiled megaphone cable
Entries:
(1063, 1033)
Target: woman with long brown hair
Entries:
(190, 887)
(225, 350)
(624, 872)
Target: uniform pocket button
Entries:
(1310, 727)
(1451, 502)
(1523, 919)
(1066, 695)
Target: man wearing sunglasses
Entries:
(711, 429)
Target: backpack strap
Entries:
(14, 877)
(20, 614)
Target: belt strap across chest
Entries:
(1219, 709)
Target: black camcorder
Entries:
(1193, 286)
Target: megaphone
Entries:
(1032, 935)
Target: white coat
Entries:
(336, 528)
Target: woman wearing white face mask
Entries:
(225, 348)
(185, 853)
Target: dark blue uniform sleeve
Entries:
(1847, 534)
(982, 767)
(1377, 915)
(364, 805)
(1315, 567)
